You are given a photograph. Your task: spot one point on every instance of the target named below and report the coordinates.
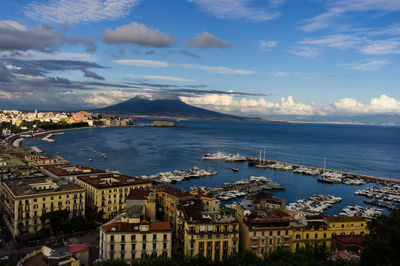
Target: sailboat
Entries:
(261, 163)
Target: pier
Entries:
(374, 179)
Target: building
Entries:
(46, 256)
(345, 225)
(212, 234)
(40, 160)
(347, 247)
(69, 172)
(210, 203)
(308, 231)
(108, 191)
(133, 235)
(27, 199)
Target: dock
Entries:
(367, 178)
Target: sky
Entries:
(243, 57)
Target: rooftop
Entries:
(138, 194)
(349, 239)
(175, 192)
(105, 180)
(68, 170)
(77, 248)
(193, 211)
(118, 226)
(344, 219)
(38, 185)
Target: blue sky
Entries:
(249, 57)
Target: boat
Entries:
(217, 156)
(104, 156)
(90, 159)
(329, 180)
(235, 169)
(236, 158)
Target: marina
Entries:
(241, 188)
(381, 196)
(360, 211)
(177, 176)
(315, 204)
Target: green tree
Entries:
(112, 262)
(382, 245)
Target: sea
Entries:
(141, 150)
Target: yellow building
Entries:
(27, 199)
(319, 229)
(41, 160)
(212, 234)
(108, 191)
(130, 236)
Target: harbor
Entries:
(381, 196)
(240, 188)
(315, 204)
(177, 176)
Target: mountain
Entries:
(172, 108)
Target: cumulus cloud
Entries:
(281, 74)
(206, 40)
(232, 104)
(91, 74)
(138, 62)
(219, 69)
(266, 45)
(78, 11)
(139, 34)
(233, 9)
(16, 36)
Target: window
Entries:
(112, 247)
(324, 235)
(165, 245)
(133, 247)
(270, 233)
(254, 233)
(316, 235)
(270, 241)
(278, 240)
(122, 238)
(263, 233)
(144, 246)
(154, 237)
(286, 232)
(165, 236)
(111, 238)
(144, 237)
(133, 237)
(351, 225)
(298, 236)
(342, 225)
(362, 225)
(279, 233)
(307, 236)
(154, 246)
(122, 247)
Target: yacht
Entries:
(217, 156)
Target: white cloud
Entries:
(367, 66)
(306, 51)
(341, 7)
(171, 78)
(281, 74)
(104, 98)
(219, 69)
(78, 11)
(287, 106)
(139, 34)
(146, 63)
(340, 41)
(206, 40)
(242, 9)
(390, 46)
(266, 45)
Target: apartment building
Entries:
(108, 191)
(27, 199)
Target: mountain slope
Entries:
(165, 108)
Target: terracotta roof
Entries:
(38, 260)
(204, 195)
(138, 194)
(67, 170)
(349, 239)
(160, 226)
(338, 219)
(77, 248)
(175, 192)
(116, 180)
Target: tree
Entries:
(382, 245)
(112, 262)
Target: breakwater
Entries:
(367, 178)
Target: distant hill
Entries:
(164, 108)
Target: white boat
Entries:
(217, 156)
(236, 158)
